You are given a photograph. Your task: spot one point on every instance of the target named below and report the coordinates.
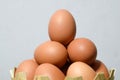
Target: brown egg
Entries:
(77, 69)
(50, 70)
(29, 67)
(51, 52)
(62, 27)
(99, 66)
(82, 49)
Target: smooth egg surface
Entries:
(78, 69)
(29, 67)
(82, 49)
(99, 66)
(51, 52)
(50, 70)
(62, 27)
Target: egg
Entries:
(78, 69)
(29, 67)
(51, 52)
(99, 66)
(62, 27)
(82, 49)
(49, 70)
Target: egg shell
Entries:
(28, 67)
(62, 27)
(78, 69)
(99, 66)
(51, 52)
(82, 49)
(49, 70)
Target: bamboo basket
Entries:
(22, 76)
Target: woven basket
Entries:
(22, 76)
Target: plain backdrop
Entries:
(24, 25)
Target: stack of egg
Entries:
(63, 55)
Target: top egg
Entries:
(62, 27)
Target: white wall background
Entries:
(24, 23)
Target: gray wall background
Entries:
(24, 25)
